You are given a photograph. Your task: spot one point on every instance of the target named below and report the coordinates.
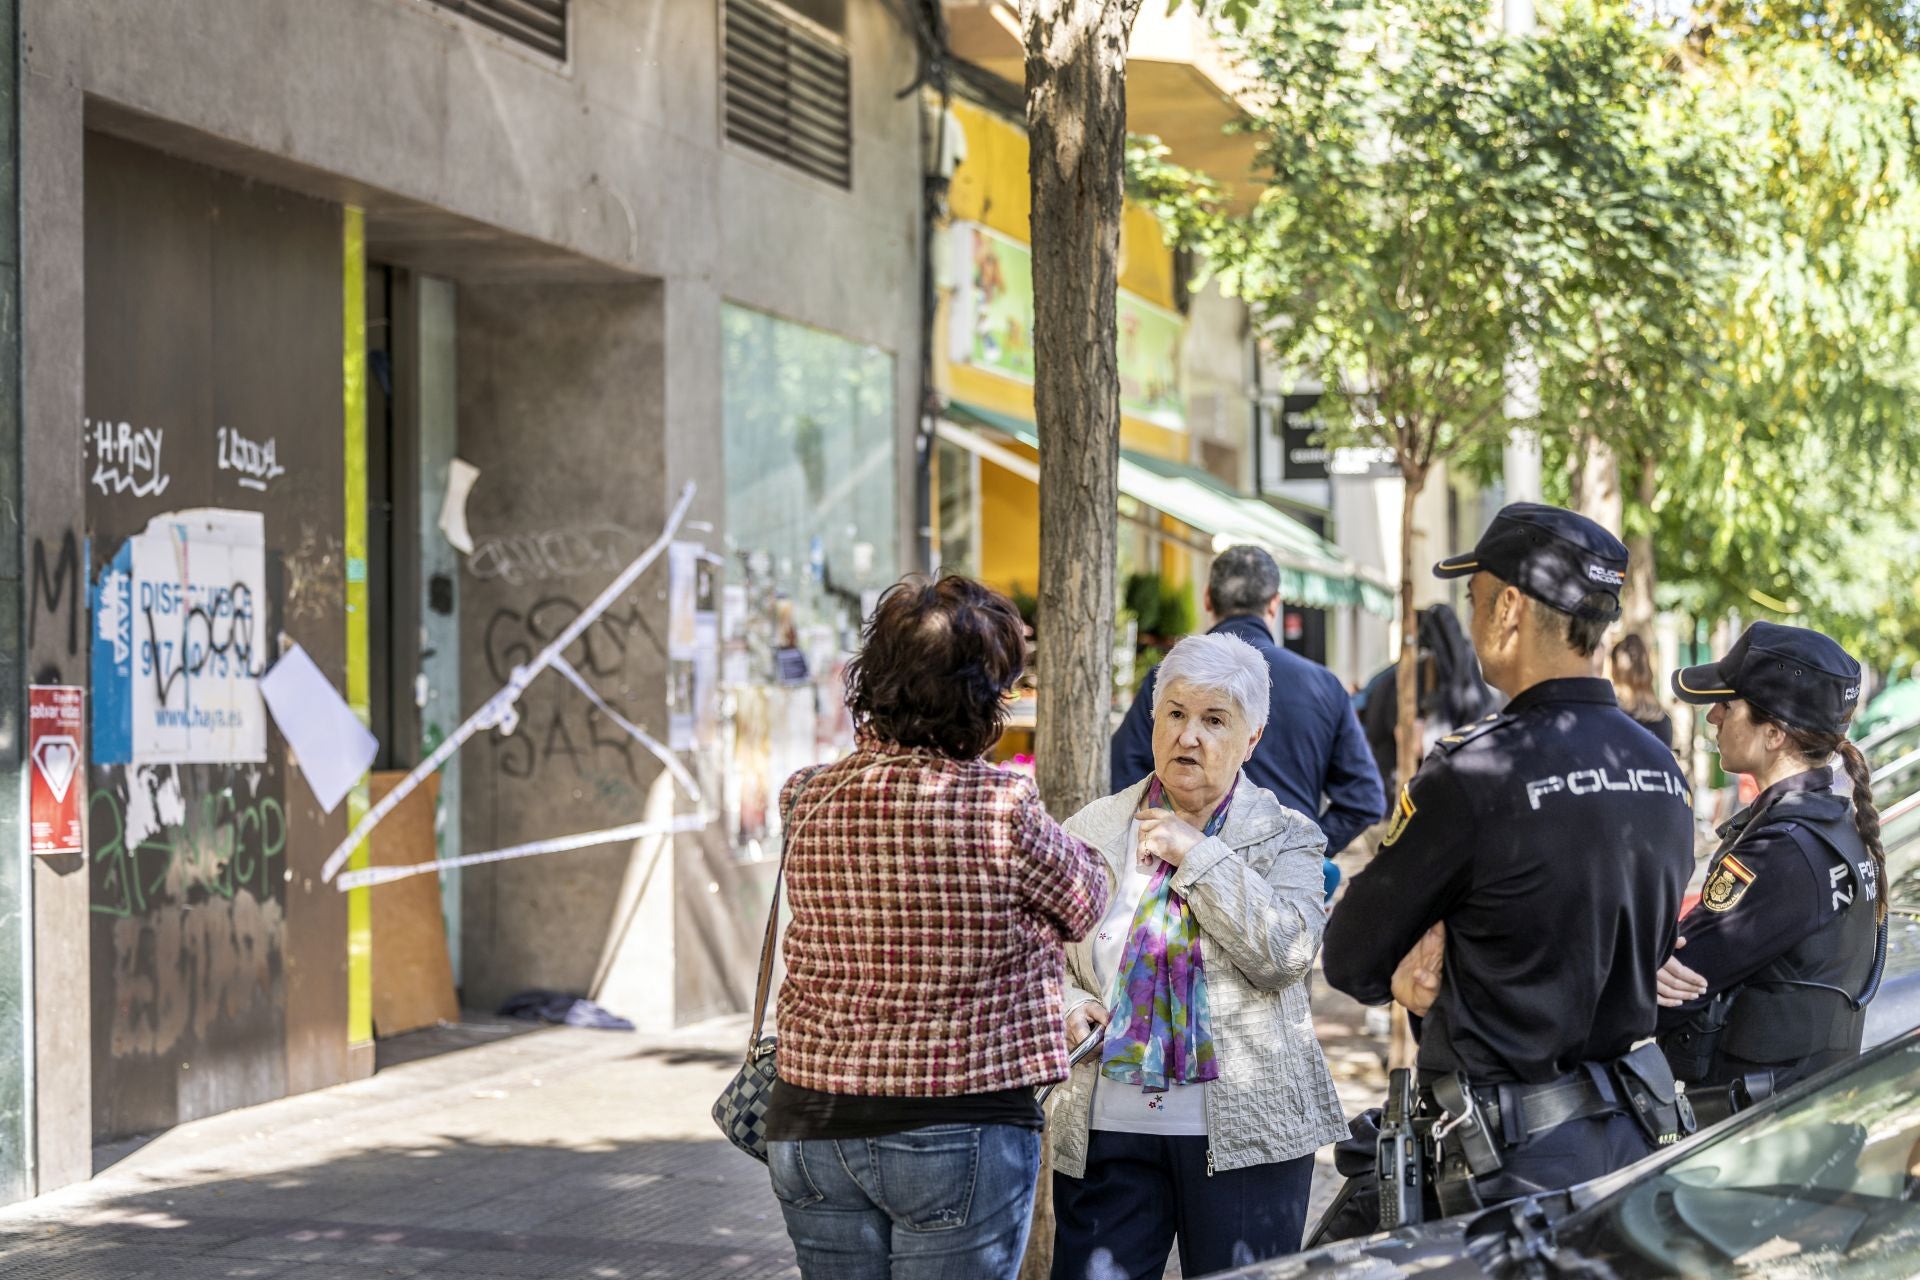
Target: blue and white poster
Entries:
(180, 643)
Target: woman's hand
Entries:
(1416, 981)
(1165, 836)
(1676, 984)
(1083, 1018)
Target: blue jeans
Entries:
(948, 1202)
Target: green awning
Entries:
(1313, 571)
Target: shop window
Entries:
(812, 539)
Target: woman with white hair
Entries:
(1199, 1116)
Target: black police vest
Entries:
(1778, 1023)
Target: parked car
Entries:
(1821, 1180)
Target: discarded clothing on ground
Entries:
(558, 1007)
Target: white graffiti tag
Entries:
(126, 459)
(254, 463)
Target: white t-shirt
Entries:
(1127, 1108)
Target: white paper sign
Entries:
(334, 749)
(453, 509)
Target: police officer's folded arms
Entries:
(1554, 842)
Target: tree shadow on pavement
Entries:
(442, 1208)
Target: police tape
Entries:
(647, 740)
(366, 877)
(500, 711)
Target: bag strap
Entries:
(772, 936)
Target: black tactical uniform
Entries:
(1786, 933)
(1554, 839)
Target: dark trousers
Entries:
(1142, 1192)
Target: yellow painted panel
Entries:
(1010, 530)
(992, 187)
(359, 685)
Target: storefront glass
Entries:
(811, 541)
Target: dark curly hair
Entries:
(936, 665)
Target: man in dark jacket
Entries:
(1313, 751)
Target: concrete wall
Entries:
(578, 368)
(16, 992)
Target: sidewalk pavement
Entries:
(558, 1153)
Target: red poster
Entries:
(55, 741)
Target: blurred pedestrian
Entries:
(1453, 693)
(1773, 971)
(931, 895)
(1317, 761)
(1632, 671)
(1199, 1118)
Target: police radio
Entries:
(1399, 1158)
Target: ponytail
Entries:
(1866, 818)
(1817, 749)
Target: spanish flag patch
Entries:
(1727, 884)
(1402, 815)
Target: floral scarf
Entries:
(1161, 1032)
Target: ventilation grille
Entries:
(787, 93)
(537, 24)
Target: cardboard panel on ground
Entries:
(412, 975)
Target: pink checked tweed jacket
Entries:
(931, 899)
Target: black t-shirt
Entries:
(795, 1114)
(1555, 840)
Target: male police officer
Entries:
(1553, 841)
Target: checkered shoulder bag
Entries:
(741, 1109)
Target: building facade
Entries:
(391, 331)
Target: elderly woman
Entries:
(931, 896)
(1199, 1117)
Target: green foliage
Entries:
(1701, 232)
(1158, 606)
(1439, 198)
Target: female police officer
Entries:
(1773, 969)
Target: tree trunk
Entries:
(1400, 1048)
(1642, 573)
(1407, 678)
(1596, 487)
(1076, 129)
(1076, 132)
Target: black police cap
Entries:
(1795, 676)
(1558, 557)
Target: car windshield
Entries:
(1828, 1185)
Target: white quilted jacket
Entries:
(1256, 891)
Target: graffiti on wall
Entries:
(180, 642)
(555, 554)
(190, 875)
(570, 730)
(253, 464)
(54, 587)
(126, 458)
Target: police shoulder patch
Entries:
(1402, 815)
(1726, 885)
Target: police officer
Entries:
(1553, 840)
(1775, 966)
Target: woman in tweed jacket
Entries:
(1224, 1162)
(931, 895)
